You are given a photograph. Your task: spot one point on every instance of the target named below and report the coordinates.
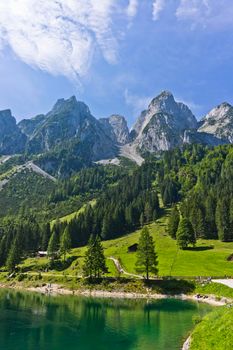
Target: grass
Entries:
(215, 331)
(217, 289)
(208, 258)
(69, 217)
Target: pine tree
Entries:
(94, 263)
(53, 245)
(146, 256)
(222, 217)
(3, 251)
(106, 227)
(148, 212)
(173, 222)
(142, 219)
(65, 244)
(99, 258)
(185, 234)
(46, 234)
(14, 254)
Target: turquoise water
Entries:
(31, 321)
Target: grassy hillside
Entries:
(215, 331)
(208, 258)
(69, 217)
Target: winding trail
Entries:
(121, 270)
(226, 282)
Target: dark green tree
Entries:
(173, 221)
(53, 245)
(46, 234)
(222, 217)
(14, 255)
(185, 234)
(142, 219)
(65, 244)
(94, 263)
(146, 256)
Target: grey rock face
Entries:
(219, 122)
(192, 136)
(116, 126)
(12, 140)
(28, 126)
(71, 121)
(162, 125)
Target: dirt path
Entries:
(226, 282)
(120, 268)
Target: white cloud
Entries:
(158, 6)
(194, 10)
(215, 15)
(137, 103)
(60, 36)
(132, 8)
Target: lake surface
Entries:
(30, 321)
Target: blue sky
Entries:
(115, 55)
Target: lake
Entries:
(31, 321)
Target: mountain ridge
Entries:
(69, 131)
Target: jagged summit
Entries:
(219, 122)
(65, 105)
(116, 126)
(162, 125)
(70, 127)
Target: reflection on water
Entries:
(31, 321)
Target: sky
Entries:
(115, 55)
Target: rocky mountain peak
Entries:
(162, 125)
(67, 105)
(219, 122)
(7, 121)
(116, 127)
(12, 140)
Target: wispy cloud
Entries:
(158, 6)
(132, 8)
(193, 10)
(211, 14)
(61, 36)
(136, 102)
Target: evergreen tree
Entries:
(3, 251)
(94, 263)
(173, 222)
(65, 244)
(148, 212)
(14, 254)
(223, 220)
(196, 217)
(99, 258)
(146, 256)
(53, 245)
(185, 234)
(106, 227)
(46, 234)
(142, 219)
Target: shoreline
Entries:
(56, 290)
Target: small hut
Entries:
(133, 248)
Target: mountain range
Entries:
(70, 132)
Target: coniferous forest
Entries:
(196, 182)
